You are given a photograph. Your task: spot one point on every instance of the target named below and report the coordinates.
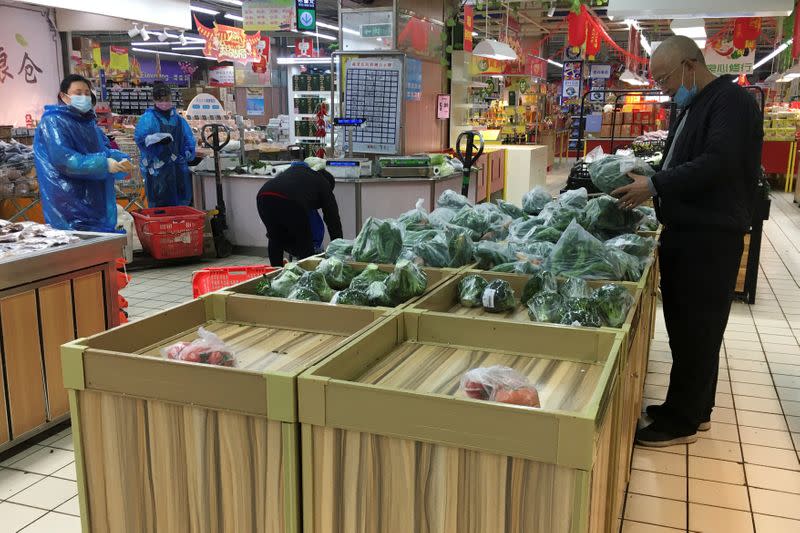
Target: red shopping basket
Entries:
(215, 278)
(170, 232)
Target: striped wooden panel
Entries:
(364, 483)
(428, 368)
(262, 349)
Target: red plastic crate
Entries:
(170, 232)
(215, 278)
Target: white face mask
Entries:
(80, 102)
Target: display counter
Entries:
(48, 298)
(525, 168)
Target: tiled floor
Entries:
(742, 476)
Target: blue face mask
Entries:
(80, 102)
(685, 96)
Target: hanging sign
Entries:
(571, 87)
(304, 48)
(205, 107)
(269, 15)
(255, 101)
(722, 58)
(469, 27)
(221, 76)
(119, 59)
(443, 106)
(306, 15)
(600, 72)
(261, 66)
(97, 55)
(226, 43)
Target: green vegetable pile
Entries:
(609, 173)
(489, 254)
(315, 282)
(350, 297)
(379, 241)
(534, 200)
(370, 274)
(510, 209)
(612, 303)
(452, 200)
(405, 282)
(416, 219)
(468, 217)
(337, 273)
(341, 248)
(579, 254)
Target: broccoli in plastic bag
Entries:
(378, 294)
(294, 268)
(649, 220)
(631, 267)
(539, 282)
(534, 200)
(316, 282)
(263, 286)
(579, 254)
(416, 219)
(459, 246)
(497, 221)
(510, 209)
(489, 254)
(470, 290)
(337, 273)
(341, 248)
(633, 244)
(282, 284)
(350, 297)
(563, 216)
(498, 297)
(580, 312)
(612, 303)
(405, 282)
(603, 217)
(611, 172)
(546, 306)
(430, 246)
(452, 200)
(303, 294)
(545, 233)
(468, 217)
(379, 241)
(576, 198)
(571, 288)
(371, 273)
(208, 349)
(499, 384)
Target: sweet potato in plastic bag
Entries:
(499, 384)
(207, 349)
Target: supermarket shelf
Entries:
(311, 93)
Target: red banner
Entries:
(593, 42)
(746, 32)
(469, 27)
(261, 66)
(226, 43)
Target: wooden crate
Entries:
(164, 445)
(388, 445)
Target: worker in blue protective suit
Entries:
(75, 165)
(167, 146)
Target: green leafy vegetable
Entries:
(519, 267)
(580, 312)
(263, 286)
(441, 216)
(303, 294)
(571, 288)
(416, 219)
(519, 229)
(633, 244)
(378, 294)
(631, 267)
(603, 217)
(611, 172)
(294, 268)
(467, 217)
(579, 254)
(283, 284)
(316, 282)
(370, 274)
(563, 216)
(452, 200)
(510, 209)
(575, 198)
(546, 306)
(546, 233)
(534, 200)
(337, 273)
(430, 246)
(538, 282)
(341, 248)
(405, 282)
(612, 303)
(489, 254)
(498, 297)
(379, 241)
(541, 249)
(470, 290)
(350, 297)
(459, 246)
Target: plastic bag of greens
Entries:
(541, 249)
(263, 285)
(433, 249)
(539, 282)
(579, 254)
(459, 246)
(580, 312)
(470, 290)
(294, 268)
(575, 198)
(633, 244)
(441, 216)
(282, 284)
(316, 282)
(534, 200)
(630, 266)
(545, 233)
(467, 217)
(563, 216)
(452, 200)
(603, 217)
(378, 294)
(498, 222)
(303, 294)
(571, 288)
(611, 172)
(337, 273)
(416, 219)
(612, 303)
(524, 266)
(521, 227)
(489, 254)
(510, 209)
(649, 219)
(546, 306)
(499, 384)
(379, 241)
(406, 281)
(498, 297)
(341, 248)
(370, 274)
(350, 297)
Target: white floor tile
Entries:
(68, 472)
(55, 522)
(70, 507)
(48, 493)
(45, 461)
(15, 517)
(14, 481)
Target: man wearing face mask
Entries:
(167, 145)
(703, 194)
(75, 165)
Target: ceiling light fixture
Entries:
(153, 43)
(145, 34)
(134, 32)
(188, 48)
(492, 48)
(304, 61)
(555, 63)
(205, 11)
(183, 39)
(320, 35)
(231, 2)
(774, 53)
(163, 36)
(336, 28)
(237, 18)
(631, 78)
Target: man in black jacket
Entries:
(284, 203)
(704, 196)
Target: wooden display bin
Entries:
(168, 446)
(389, 445)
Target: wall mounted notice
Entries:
(443, 106)
(413, 79)
(221, 76)
(374, 90)
(255, 101)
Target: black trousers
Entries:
(698, 279)
(288, 228)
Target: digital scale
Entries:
(349, 168)
(412, 166)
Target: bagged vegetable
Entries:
(341, 248)
(350, 297)
(510, 209)
(631, 267)
(263, 286)
(282, 284)
(580, 312)
(538, 282)
(545, 233)
(303, 294)
(315, 281)
(378, 294)
(534, 200)
(405, 282)
(541, 249)
(452, 200)
(563, 216)
(459, 246)
(649, 220)
(611, 172)
(519, 229)
(499, 384)
(379, 241)
(489, 254)
(467, 217)
(370, 274)
(416, 219)
(498, 297)
(546, 306)
(294, 268)
(576, 198)
(603, 217)
(470, 290)
(207, 349)
(441, 216)
(524, 266)
(498, 222)
(633, 244)
(612, 303)
(338, 274)
(431, 247)
(571, 288)
(579, 254)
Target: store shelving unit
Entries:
(295, 107)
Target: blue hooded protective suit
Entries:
(71, 155)
(167, 147)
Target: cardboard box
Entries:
(625, 131)
(646, 117)
(627, 117)
(605, 131)
(608, 118)
(636, 130)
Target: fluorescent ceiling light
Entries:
(336, 28)
(204, 10)
(672, 9)
(691, 28)
(774, 53)
(231, 2)
(154, 43)
(791, 75)
(234, 17)
(304, 61)
(145, 51)
(493, 49)
(188, 48)
(320, 35)
(555, 63)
